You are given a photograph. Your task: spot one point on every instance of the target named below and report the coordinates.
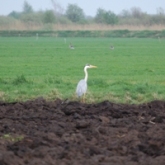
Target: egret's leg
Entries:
(84, 98)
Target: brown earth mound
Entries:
(39, 132)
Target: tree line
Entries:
(75, 14)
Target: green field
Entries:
(131, 73)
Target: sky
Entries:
(89, 6)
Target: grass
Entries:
(131, 73)
(11, 138)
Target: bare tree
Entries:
(136, 12)
(58, 10)
(160, 11)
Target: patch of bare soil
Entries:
(40, 132)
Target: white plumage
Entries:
(82, 85)
(81, 88)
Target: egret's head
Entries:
(89, 66)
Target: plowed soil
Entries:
(40, 132)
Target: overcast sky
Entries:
(89, 6)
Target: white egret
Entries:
(65, 40)
(82, 85)
(36, 36)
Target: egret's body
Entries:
(81, 88)
(82, 85)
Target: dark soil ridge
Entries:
(38, 132)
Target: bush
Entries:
(6, 20)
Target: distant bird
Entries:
(71, 46)
(112, 47)
(36, 36)
(82, 85)
(65, 40)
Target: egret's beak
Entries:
(92, 66)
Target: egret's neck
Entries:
(86, 74)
